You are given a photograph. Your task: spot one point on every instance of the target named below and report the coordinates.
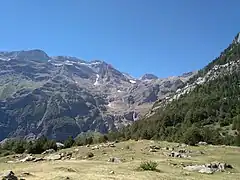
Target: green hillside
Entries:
(210, 112)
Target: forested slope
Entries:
(207, 110)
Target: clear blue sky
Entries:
(164, 37)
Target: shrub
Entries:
(192, 136)
(148, 166)
(69, 142)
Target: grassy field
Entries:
(132, 153)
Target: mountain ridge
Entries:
(206, 108)
(63, 96)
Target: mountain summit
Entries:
(206, 108)
(63, 96)
(148, 77)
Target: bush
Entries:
(148, 166)
(192, 136)
(69, 142)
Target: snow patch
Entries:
(132, 81)
(95, 63)
(110, 105)
(69, 62)
(96, 82)
(5, 59)
(81, 63)
(55, 64)
(119, 91)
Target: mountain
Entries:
(148, 77)
(63, 96)
(205, 108)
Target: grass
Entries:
(148, 166)
(98, 167)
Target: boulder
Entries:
(194, 167)
(154, 147)
(53, 157)
(206, 170)
(27, 158)
(89, 155)
(114, 159)
(66, 155)
(76, 150)
(178, 155)
(112, 172)
(95, 147)
(9, 175)
(202, 143)
(38, 159)
(49, 151)
(60, 145)
(152, 150)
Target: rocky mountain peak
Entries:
(62, 95)
(35, 54)
(237, 39)
(67, 58)
(148, 77)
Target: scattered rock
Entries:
(194, 167)
(114, 159)
(76, 150)
(168, 148)
(9, 175)
(208, 168)
(152, 150)
(202, 143)
(88, 145)
(95, 147)
(60, 145)
(26, 174)
(183, 151)
(178, 155)
(66, 155)
(89, 155)
(38, 159)
(111, 145)
(154, 147)
(53, 157)
(27, 158)
(49, 151)
(10, 162)
(112, 172)
(182, 145)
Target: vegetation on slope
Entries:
(211, 112)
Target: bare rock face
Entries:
(64, 96)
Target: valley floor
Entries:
(131, 154)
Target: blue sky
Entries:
(164, 37)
